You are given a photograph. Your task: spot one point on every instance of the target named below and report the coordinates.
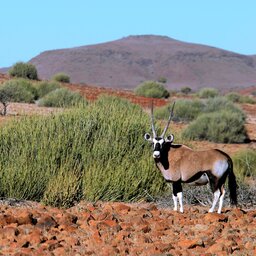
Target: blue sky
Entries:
(29, 27)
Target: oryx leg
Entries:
(221, 199)
(216, 196)
(177, 195)
(217, 186)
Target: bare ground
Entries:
(28, 228)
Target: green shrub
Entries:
(24, 70)
(152, 89)
(185, 110)
(45, 87)
(218, 104)
(233, 96)
(162, 80)
(208, 93)
(81, 153)
(61, 98)
(222, 126)
(64, 189)
(19, 90)
(186, 90)
(247, 99)
(236, 97)
(245, 164)
(61, 77)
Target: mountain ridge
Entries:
(126, 62)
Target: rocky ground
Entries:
(28, 228)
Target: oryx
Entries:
(181, 164)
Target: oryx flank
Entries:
(181, 164)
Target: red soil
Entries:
(93, 92)
(125, 229)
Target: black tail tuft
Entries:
(232, 185)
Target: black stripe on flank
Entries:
(195, 177)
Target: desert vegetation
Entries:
(82, 153)
(45, 87)
(79, 154)
(61, 97)
(19, 90)
(223, 127)
(61, 77)
(208, 92)
(44, 93)
(238, 98)
(152, 89)
(215, 119)
(24, 70)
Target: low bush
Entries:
(61, 77)
(152, 89)
(45, 87)
(162, 80)
(233, 96)
(208, 93)
(245, 164)
(186, 90)
(185, 110)
(61, 98)
(82, 153)
(19, 90)
(238, 98)
(248, 100)
(24, 70)
(218, 104)
(222, 126)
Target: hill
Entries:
(126, 62)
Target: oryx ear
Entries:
(147, 137)
(169, 138)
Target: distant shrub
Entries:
(61, 77)
(218, 104)
(186, 90)
(245, 164)
(247, 99)
(24, 70)
(185, 110)
(222, 126)
(253, 93)
(152, 89)
(208, 93)
(238, 98)
(162, 79)
(45, 87)
(61, 98)
(233, 96)
(19, 90)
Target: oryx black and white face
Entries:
(158, 143)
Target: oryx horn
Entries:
(169, 120)
(152, 120)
